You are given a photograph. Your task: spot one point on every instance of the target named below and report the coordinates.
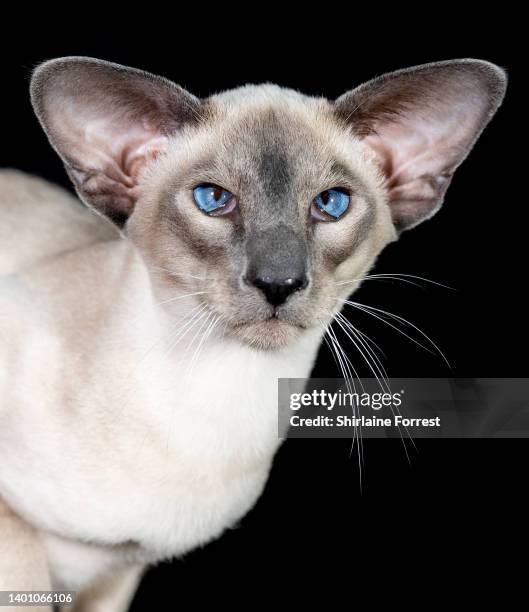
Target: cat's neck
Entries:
(179, 351)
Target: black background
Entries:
(314, 530)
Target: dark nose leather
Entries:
(277, 290)
(277, 262)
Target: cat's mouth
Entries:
(273, 321)
(271, 332)
(277, 319)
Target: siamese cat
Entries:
(142, 333)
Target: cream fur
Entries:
(144, 462)
(118, 449)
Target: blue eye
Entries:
(210, 198)
(334, 202)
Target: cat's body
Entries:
(182, 454)
(139, 365)
(41, 220)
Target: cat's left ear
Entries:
(421, 123)
(106, 122)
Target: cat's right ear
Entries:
(106, 122)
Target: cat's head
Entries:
(261, 201)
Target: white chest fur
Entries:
(159, 455)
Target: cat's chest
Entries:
(166, 459)
(199, 465)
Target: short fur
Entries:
(124, 438)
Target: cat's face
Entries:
(274, 156)
(261, 201)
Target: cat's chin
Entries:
(268, 334)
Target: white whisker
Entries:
(203, 324)
(397, 276)
(185, 329)
(347, 370)
(179, 274)
(380, 367)
(181, 297)
(203, 340)
(372, 310)
(349, 329)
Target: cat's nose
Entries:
(277, 262)
(277, 290)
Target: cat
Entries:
(143, 332)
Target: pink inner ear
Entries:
(140, 153)
(418, 155)
(108, 157)
(120, 153)
(414, 148)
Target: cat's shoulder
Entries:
(39, 219)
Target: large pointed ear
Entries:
(106, 121)
(421, 123)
